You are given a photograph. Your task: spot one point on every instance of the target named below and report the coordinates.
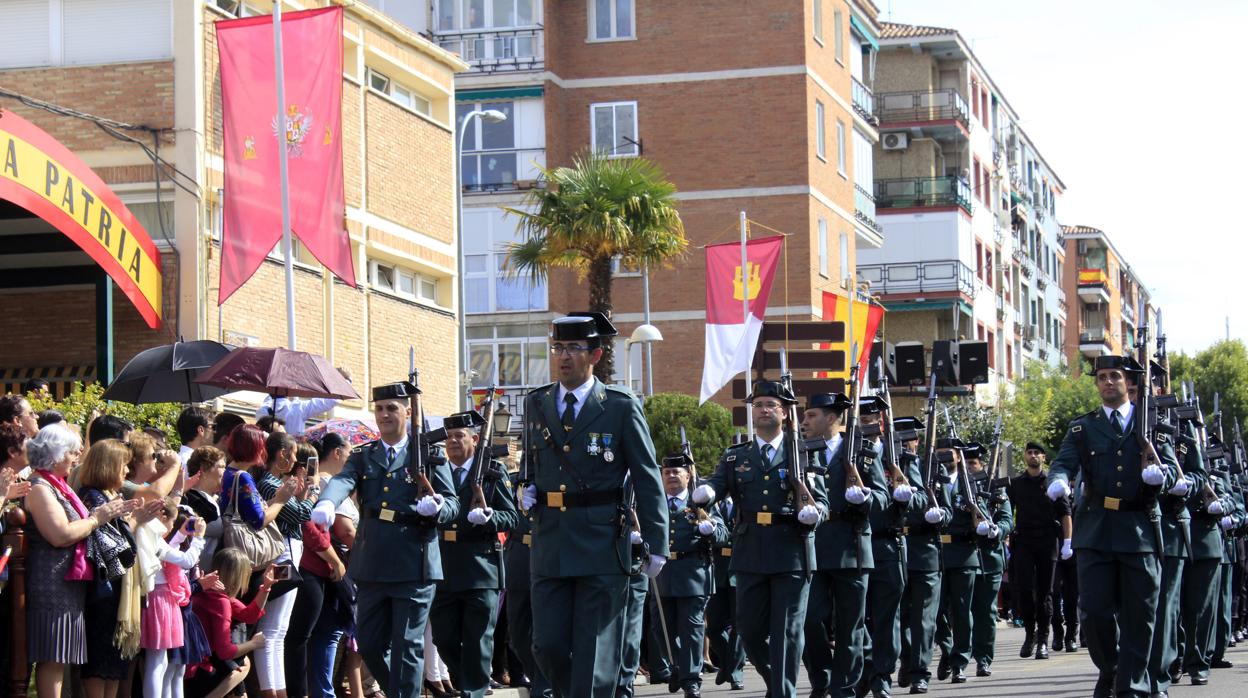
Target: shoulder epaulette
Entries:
(619, 389)
(739, 446)
(361, 447)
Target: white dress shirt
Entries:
(1124, 414)
(775, 444)
(581, 393)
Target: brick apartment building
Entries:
(153, 63)
(1107, 294)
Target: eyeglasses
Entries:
(568, 349)
(768, 405)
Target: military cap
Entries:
(974, 449)
(909, 423)
(772, 389)
(464, 420)
(828, 401)
(395, 391)
(950, 443)
(677, 459)
(1033, 446)
(871, 404)
(1126, 364)
(581, 325)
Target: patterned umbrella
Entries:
(355, 431)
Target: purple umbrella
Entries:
(278, 372)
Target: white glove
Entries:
(988, 530)
(855, 495)
(528, 497)
(323, 514)
(634, 537)
(654, 566)
(1153, 475)
(429, 505)
(703, 494)
(934, 515)
(1181, 487)
(809, 515)
(1058, 489)
(1067, 551)
(1227, 523)
(706, 528)
(479, 516)
(1215, 507)
(903, 493)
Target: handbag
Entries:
(261, 547)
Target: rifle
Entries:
(1162, 357)
(994, 461)
(794, 457)
(1145, 407)
(417, 468)
(964, 479)
(687, 451)
(896, 477)
(851, 438)
(481, 456)
(930, 467)
(1207, 494)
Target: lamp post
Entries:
(644, 334)
(489, 116)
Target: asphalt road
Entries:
(1062, 676)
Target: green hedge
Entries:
(84, 401)
(709, 427)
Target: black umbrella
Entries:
(167, 374)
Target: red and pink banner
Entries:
(731, 334)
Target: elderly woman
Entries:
(55, 626)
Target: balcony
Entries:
(864, 209)
(946, 275)
(1128, 312)
(864, 102)
(501, 170)
(1093, 286)
(922, 107)
(1094, 343)
(1041, 282)
(505, 50)
(924, 192)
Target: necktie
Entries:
(390, 454)
(1115, 419)
(825, 457)
(569, 412)
(461, 472)
(767, 452)
(671, 504)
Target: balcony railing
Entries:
(499, 50)
(936, 105)
(864, 101)
(923, 192)
(864, 209)
(919, 277)
(1093, 277)
(501, 170)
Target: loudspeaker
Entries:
(972, 363)
(945, 362)
(909, 366)
(882, 357)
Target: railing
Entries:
(1093, 337)
(864, 101)
(864, 209)
(919, 277)
(936, 105)
(1128, 311)
(501, 170)
(1061, 303)
(1093, 277)
(497, 51)
(923, 192)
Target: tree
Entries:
(598, 209)
(708, 427)
(1043, 404)
(1221, 368)
(84, 401)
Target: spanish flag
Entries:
(867, 318)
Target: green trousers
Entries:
(634, 625)
(953, 624)
(463, 630)
(578, 630)
(1118, 601)
(1166, 627)
(390, 630)
(1200, 604)
(919, 603)
(837, 598)
(771, 611)
(1222, 620)
(686, 627)
(984, 613)
(884, 593)
(721, 628)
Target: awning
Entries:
(504, 93)
(862, 31)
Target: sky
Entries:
(1137, 105)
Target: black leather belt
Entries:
(957, 538)
(403, 517)
(562, 500)
(472, 534)
(674, 555)
(888, 535)
(1119, 504)
(768, 518)
(847, 515)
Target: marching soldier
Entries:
(1233, 503)
(586, 438)
(991, 539)
(1117, 532)
(519, 604)
(838, 590)
(960, 548)
(721, 610)
(1034, 550)
(396, 561)
(924, 565)
(1200, 574)
(634, 628)
(464, 608)
(773, 541)
(686, 582)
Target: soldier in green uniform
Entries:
(396, 561)
(838, 589)
(991, 539)
(960, 548)
(1200, 574)
(1233, 505)
(773, 541)
(634, 628)
(1117, 533)
(721, 610)
(686, 582)
(465, 606)
(519, 605)
(584, 438)
(924, 564)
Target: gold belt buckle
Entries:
(725, 552)
(386, 515)
(449, 536)
(905, 530)
(554, 499)
(527, 539)
(946, 539)
(1112, 503)
(672, 555)
(764, 518)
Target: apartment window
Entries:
(992, 349)
(85, 32)
(818, 20)
(508, 356)
(838, 38)
(845, 270)
(989, 272)
(379, 82)
(979, 260)
(614, 128)
(979, 194)
(456, 15)
(488, 285)
(1009, 361)
(820, 132)
(489, 160)
(840, 147)
(974, 97)
(611, 19)
(404, 283)
(823, 248)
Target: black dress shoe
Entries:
(959, 677)
(818, 693)
(919, 686)
(903, 678)
(1042, 651)
(1070, 646)
(943, 669)
(1028, 643)
(1220, 664)
(693, 692)
(737, 686)
(1104, 686)
(982, 669)
(881, 693)
(1159, 694)
(708, 668)
(1199, 680)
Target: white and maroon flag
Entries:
(731, 333)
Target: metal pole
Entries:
(287, 245)
(645, 310)
(459, 241)
(745, 318)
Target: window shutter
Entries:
(118, 30)
(31, 46)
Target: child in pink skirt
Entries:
(163, 627)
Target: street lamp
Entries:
(489, 116)
(644, 334)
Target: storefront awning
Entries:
(501, 94)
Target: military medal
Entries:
(593, 448)
(607, 454)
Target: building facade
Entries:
(154, 64)
(1110, 300)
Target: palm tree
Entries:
(598, 209)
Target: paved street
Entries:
(1062, 676)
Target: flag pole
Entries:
(287, 245)
(745, 319)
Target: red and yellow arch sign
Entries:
(44, 177)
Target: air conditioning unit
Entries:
(895, 141)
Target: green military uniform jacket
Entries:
(724, 577)
(992, 550)
(889, 522)
(472, 555)
(1176, 519)
(394, 543)
(923, 546)
(960, 543)
(690, 555)
(608, 441)
(1109, 466)
(759, 495)
(843, 542)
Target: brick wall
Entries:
(409, 165)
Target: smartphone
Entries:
(313, 463)
(281, 572)
(189, 526)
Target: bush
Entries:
(708, 427)
(84, 401)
